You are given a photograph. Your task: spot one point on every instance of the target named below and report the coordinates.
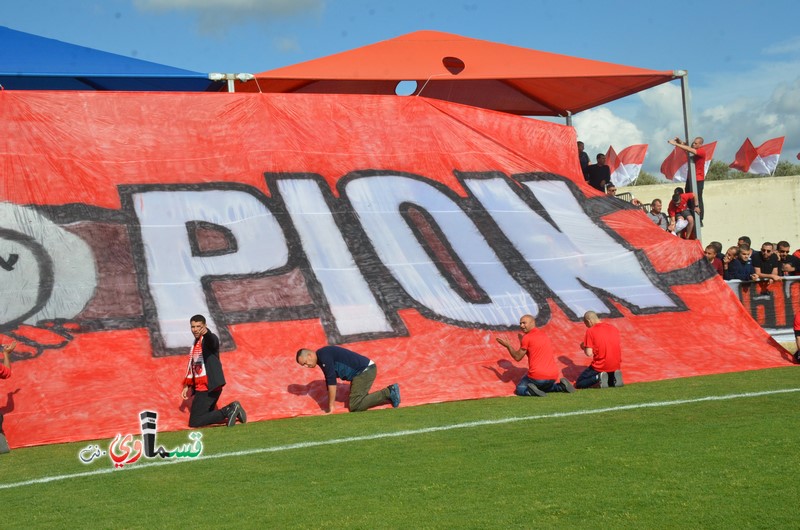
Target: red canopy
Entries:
(469, 71)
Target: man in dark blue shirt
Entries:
(347, 365)
(741, 268)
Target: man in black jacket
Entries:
(205, 378)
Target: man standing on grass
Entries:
(347, 365)
(5, 373)
(542, 368)
(602, 344)
(205, 379)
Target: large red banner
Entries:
(413, 231)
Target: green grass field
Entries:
(708, 452)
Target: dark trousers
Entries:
(1, 424)
(204, 409)
(591, 377)
(360, 398)
(700, 184)
(545, 385)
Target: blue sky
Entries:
(743, 57)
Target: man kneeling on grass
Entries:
(602, 344)
(335, 361)
(542, 368)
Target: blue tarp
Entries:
(31, 62)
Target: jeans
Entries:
(545, 385)
(591, 377)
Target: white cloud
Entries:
(272, 7)
(758, 117)
(286, 44)
(598, 128)
(217, 16)
(788, 46)
(766, 104)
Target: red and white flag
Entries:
(674, 167)
(761, 160)
(768, 155)
(744, 156)
(611, 159)
(627, 165)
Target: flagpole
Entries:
(691, 177)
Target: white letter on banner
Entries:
(174, 275)
(352, 304)
(575, 249)
(52, 273)
(377, 202)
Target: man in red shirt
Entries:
(5, 373)
(713, 260)
(797, 337)
(542, 369)
(602, 344)
(699, 155)
(678, 211)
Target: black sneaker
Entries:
(603, 380)
(241, 415)
(568, 388)
(618, 379)
(4, 448)
(233, 413)
(535, 390)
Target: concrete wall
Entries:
(766, 209)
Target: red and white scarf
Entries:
(196, 370)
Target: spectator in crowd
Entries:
(602, 344)
(5, 373)
(765, 263)
(788, 265)
(679, 211)
(657, 216)
(611, 191)
(347, 365)
(731, 255)
(599, 173)
(583, 158)
(741, 268)
(205, 379)
(745, 240)
(713, 260)
(699, 157)
(542, 369)
(718, 247)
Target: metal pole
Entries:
(569, 119)
(690, 173)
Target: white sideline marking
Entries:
(396, 434)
